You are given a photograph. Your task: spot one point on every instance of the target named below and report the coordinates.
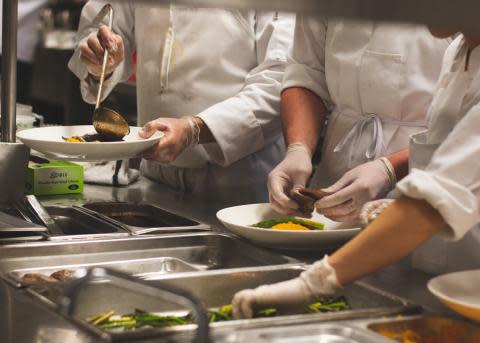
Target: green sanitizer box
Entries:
(52, 177)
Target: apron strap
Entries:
(350, 140)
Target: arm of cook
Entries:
(123, 25)
(418, 222)
(451, 182)
(303, 112)
(248, 121)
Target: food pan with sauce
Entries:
(428, 329)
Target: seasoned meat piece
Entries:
(36, 277)
(63, 275)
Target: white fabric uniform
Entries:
(225, 66)
(376, 79)
(28, 27)
(450, 181)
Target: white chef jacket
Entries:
(225, 66)
(450, 180)
(28, 27)
(376, 79)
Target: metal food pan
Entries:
(143, 268)
(139, 255)
(216, 288)
(76, 224)
(428, 329)
(324, 333)
(141, 218)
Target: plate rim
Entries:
(282, 232)
(156, 136)
(442, 296)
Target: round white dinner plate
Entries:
(48, 140)
(460, 291)
(239, 219)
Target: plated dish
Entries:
(459, 291)
(241, 220)
(49, 141)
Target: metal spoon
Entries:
(108, 123)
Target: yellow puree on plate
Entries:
(290, 226)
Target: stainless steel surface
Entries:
(149, 257)
(73, 224)
(74, 297)
(323, 333)
(42, 215)
(107, 122)
(141, 268)
(9, 70)
(9, 223)
(428, 329)
(141, 218)
(13, 170)
(216, 288)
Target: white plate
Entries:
(48, 140)
(460, 291)
(239, 218)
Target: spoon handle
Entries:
(108, 8)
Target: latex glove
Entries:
(179, 134)
(293, 172)
(92, 50)
(318, 280)
(369, 181)
(371, 210)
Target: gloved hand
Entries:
(293, 172)
(318, 280)
(179, 134)
(92, 50)
(371, 210)
(369, 181)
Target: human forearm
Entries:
(399, 161)
(303, 115)
(401, 228)
(205, 135)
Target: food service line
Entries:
(399, 279)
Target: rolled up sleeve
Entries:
(306, 61)
(250, 120)
(451, 182)
(123, 25)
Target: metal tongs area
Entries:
(71, 301)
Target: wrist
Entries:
(296, 147)
(321, 278)
(389, 171)
(96, 78)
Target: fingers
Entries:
(344, 181)
(107, 39)
(338, 198)
(341, 210)
(373, 209)
(151, 127)
(279, 200)
(243, 303)
(94, 45)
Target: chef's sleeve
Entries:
(123, 25)
(247, 122)
(306, 60)
(451, 182)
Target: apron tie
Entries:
(351, 138)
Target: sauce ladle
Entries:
(109, 124)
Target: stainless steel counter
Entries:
(399, 279)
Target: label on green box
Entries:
(51, 177)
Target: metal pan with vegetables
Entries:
(263, 226)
